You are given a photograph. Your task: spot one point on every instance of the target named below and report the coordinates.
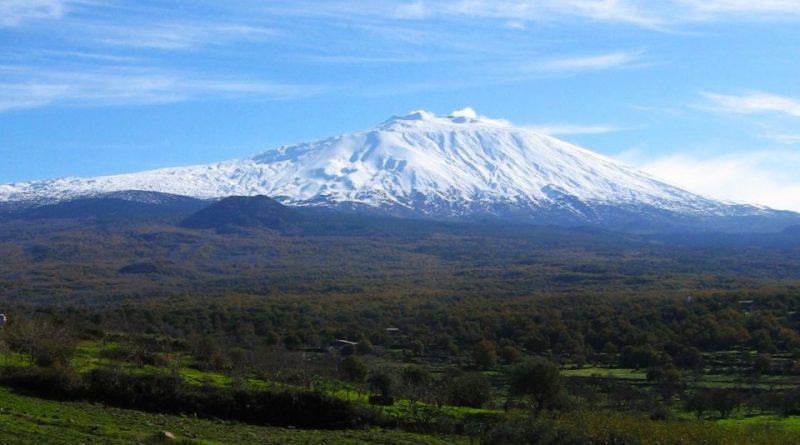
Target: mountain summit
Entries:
(458, 166)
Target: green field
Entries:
(615, 373)
(30, 420)
(790, 424)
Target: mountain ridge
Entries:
(460, 166)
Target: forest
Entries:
(464, 333)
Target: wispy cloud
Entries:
(14, 12)
(743, 9)
(131, 86)
(604, 10)
(506, 73)
(174, 36)
(766, 177)
(576, 64)
(752, 103)
(784, 138)
(53, 57)
(644, 13)
(366, 59)
(515, 13)
(556, 129)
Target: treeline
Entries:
(629, 332)
(675, 341)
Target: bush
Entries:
(50, 352)
(639, 357)
(58, 381)
(170, 394)
(165, 393)
(134, 354)
(353, 369)
(470, 389)
(381, 383)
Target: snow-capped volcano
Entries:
(421, 164)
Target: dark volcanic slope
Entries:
(244, 212)
(321, 253)
(117, 207)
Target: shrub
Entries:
(471, 389)
(353, 369)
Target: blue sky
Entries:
(704, 94)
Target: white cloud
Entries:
(574, 64)
(412, 10)
(513, 13)
(530, 10)
(784, 138)
(365, 59)
(765, 177)
(642, 13)
(752, 103)
(14, 12)
(556, 129)
(131, 86)
(748, 9)
(176, 36)
(505, 10)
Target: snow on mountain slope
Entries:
(446, 166)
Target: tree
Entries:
(291, 342)
(381, 383)
(238, 365)
(471, 389)
(639, 357)
(43, 343)
(364, 346)
(207, 351)
(353, 369)
(416, 380)
(668, 379)
(5, 350)
(699, 402)
(21, 337)
(485, 354)
(724, 402)
(510, 354)
(690, 357)
(538, 380)
(761, 365)
(721, 400)
(417, 347)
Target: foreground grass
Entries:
(26, 420)
(614, 428)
